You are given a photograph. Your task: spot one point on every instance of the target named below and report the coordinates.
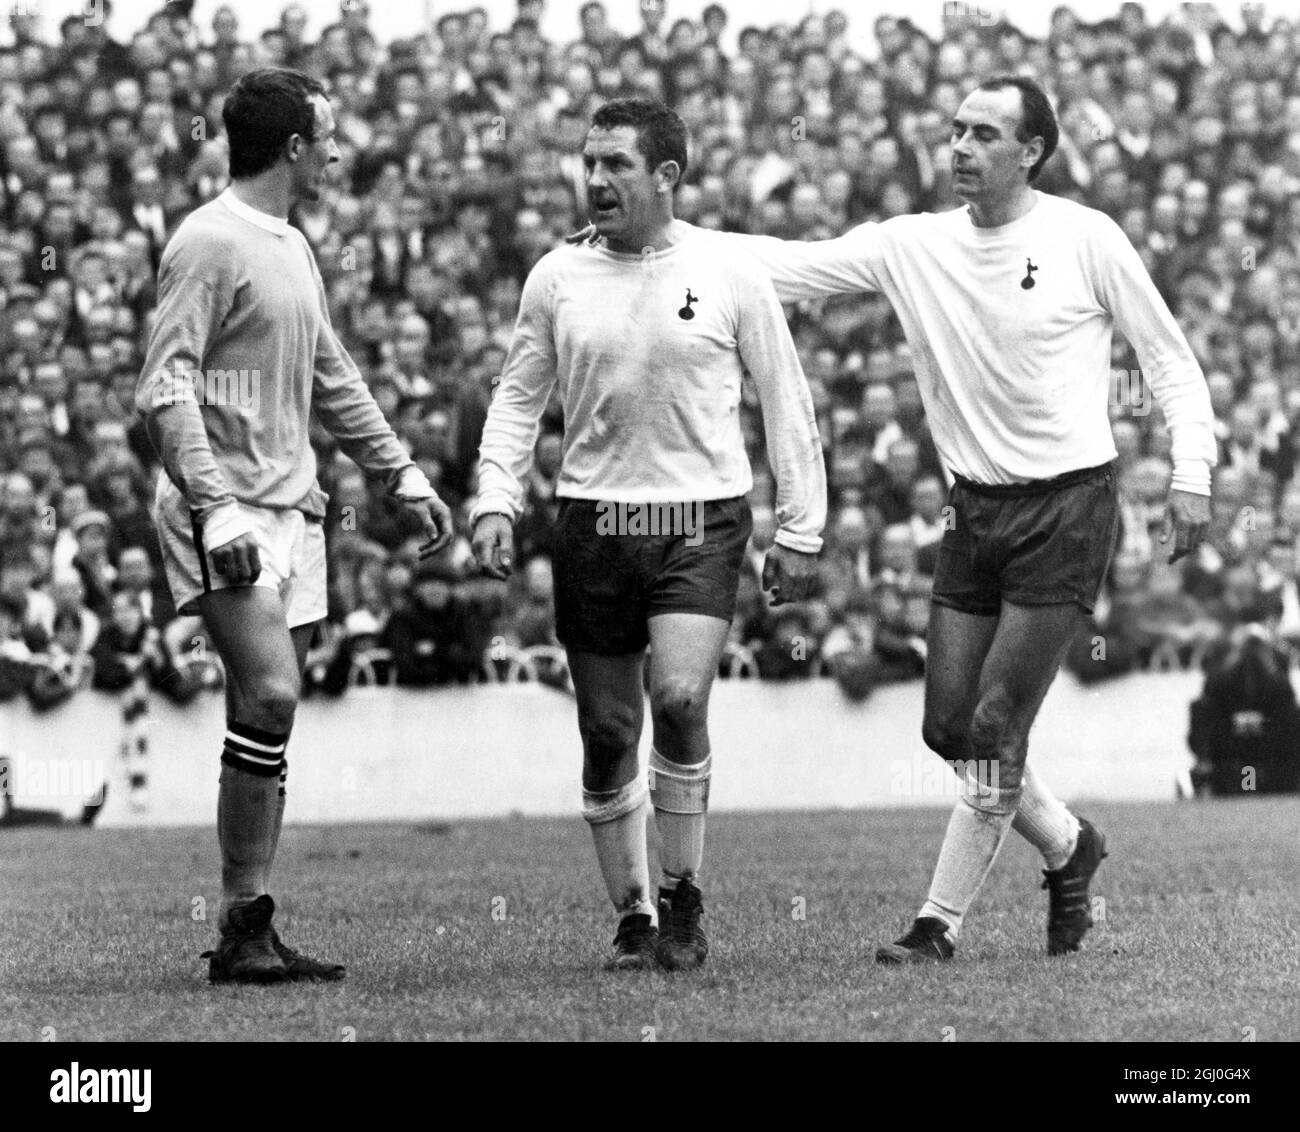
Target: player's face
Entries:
(314, 157)
(622, 194)
(988, 163)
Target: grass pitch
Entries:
(497, 929)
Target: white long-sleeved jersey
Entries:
(649, 352)
(1010, 329)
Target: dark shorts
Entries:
(1039, 543)
(609, 583)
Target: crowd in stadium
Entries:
(461, 169)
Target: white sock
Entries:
(1044, 822)
(617, 819)
(979, 824)
(680, 794)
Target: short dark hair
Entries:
(263, 110)
(1037, 118)
(660, 132)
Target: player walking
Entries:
(649, 338)
(241, 352)
(1009, 305)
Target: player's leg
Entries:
(1073, 847)
(600, 620)
(302, 636)
(1069, 568)
(305, 600)
(1027, 647)
(964, 612)
(1045, 552)
(685, 649)
(1022, 661)
(301, 968)
(692, 582)
(248, 628)
(958, 643)
(611, 712)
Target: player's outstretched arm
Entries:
(793, 444)
(803, 269)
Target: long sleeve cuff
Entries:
(492, 503)
(1192, 476)
(412, 485)
(806, 544)
(223, 524)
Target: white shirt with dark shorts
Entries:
(649, 353)
(1010, 330)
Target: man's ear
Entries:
(668, 174)
(294, 145)
(1035, 147)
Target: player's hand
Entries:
(493, 542)
(791, 575)
(1187, 518)
(434, 516)
(237, 560)
(587, 235)
(416, 494)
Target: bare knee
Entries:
(609, 733)
(680, 705)
(272, 704)
(997, 735)
(990, 723)
(946, 732)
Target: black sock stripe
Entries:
(235, 762)
(259, 757)
(256, 734)
(251, 752)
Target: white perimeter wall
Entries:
(381, 754)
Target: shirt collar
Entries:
(276, 225)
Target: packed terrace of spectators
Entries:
(461, 169)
